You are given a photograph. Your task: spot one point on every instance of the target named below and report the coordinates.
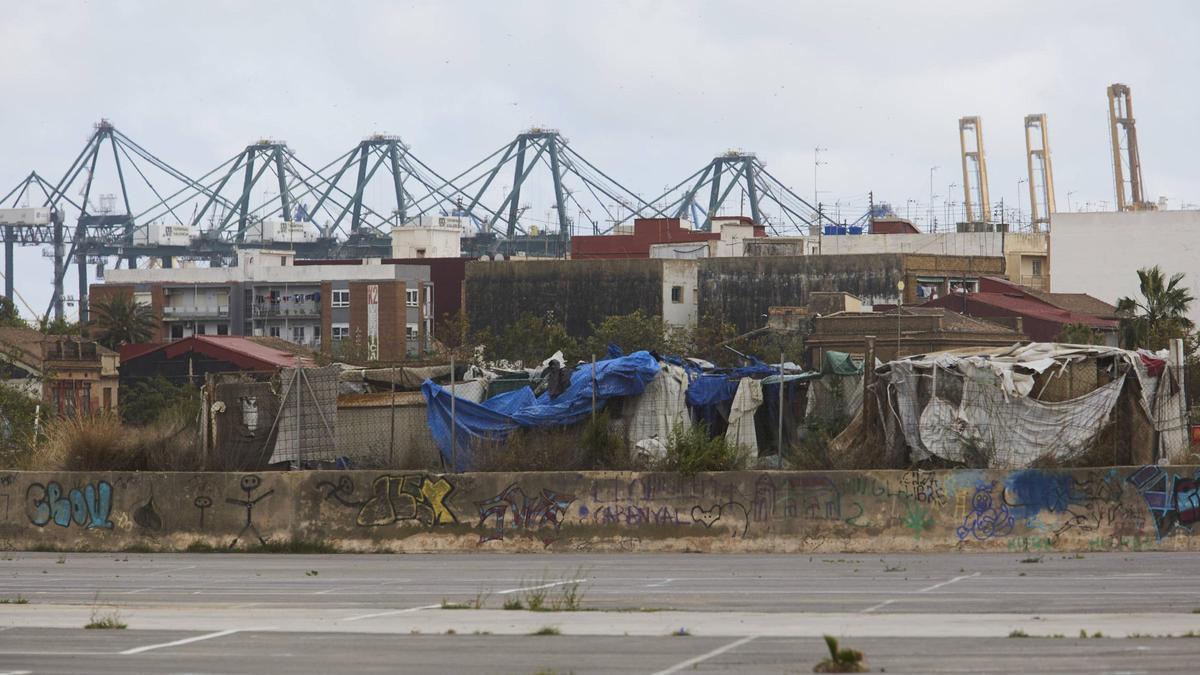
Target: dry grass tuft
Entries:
(102, 443)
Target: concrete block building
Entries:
(385, 309)
(581, 292)
(71, 375)
(742, 290)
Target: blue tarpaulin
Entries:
(708, 392)
(494, 419)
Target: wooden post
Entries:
(453, 416)
(392, 446)
(868, 407)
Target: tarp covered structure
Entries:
(1008, 407)
(495, 418)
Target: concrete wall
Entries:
(741, 290)
(1100, 253)
(680, 274)
(578, 292)
(798, 512)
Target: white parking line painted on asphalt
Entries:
(169, 570)
(534, 588)
(391, 613)
(664, 582)
(881, 605)
(947, 583)
(934, 587)
(176, 643)
(706, 656)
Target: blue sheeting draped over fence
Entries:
(494, 419)
(707, 392)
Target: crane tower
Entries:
(1041, 173)
(974, 167)
(1127, 164)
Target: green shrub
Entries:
(691, 450)
(603, 448)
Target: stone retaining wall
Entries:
(1121, 508)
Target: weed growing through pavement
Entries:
(1038, 559)
(19, 600)
(311, 573)
(105, 621)
(564, 595)
(513, 603)
(840, 660)
(547, 630)
(1018, 633)
(682, 632)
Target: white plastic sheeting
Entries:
(996, 419)
(745, 403)
(834, 395)
(652, 415)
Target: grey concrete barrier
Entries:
(1118, 508)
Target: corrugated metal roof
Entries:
(381, 399)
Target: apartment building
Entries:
(308, 302)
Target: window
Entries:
(340, 299)
(273, 331)
(420, 253)
(1037, 267)
(108, 398)
(297, 333)
(200, 329)
(677, 294)
(695, 296)
(176, 332)
(412, 297)
(411, 331)
(341, 331)
(222, 329)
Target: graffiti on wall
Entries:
(396, 499)
(988, 517)
(1173, 501)
(89, 507)
(202, 504)
(249, 485)
(542, 514)
(1088, 504)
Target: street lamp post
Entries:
(1020, 182)
(932, 226)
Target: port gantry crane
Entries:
(771, 202)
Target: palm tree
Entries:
(121, 320)
(1160, 314)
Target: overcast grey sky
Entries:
(648, 91)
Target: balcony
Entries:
(294, 309)
(204, 312)
(1039, 282)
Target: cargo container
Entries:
(272, 230)
(25, 217)
(162, 234)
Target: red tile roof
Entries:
(244, 352)
(1018, 304)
